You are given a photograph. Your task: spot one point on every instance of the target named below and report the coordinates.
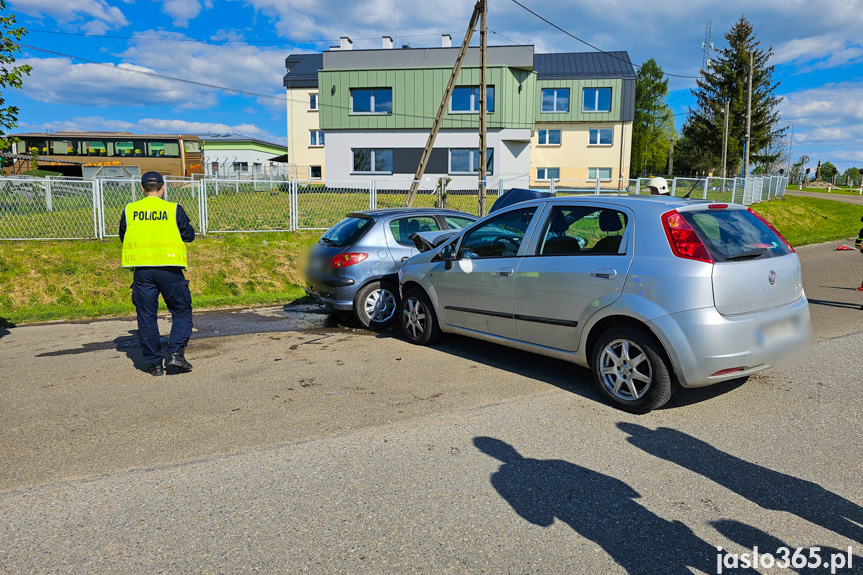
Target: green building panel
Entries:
(416, 98)
(576, 97)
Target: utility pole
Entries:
(671, 159)
(747, 143)
(478, 8)
(725, 141)
(482, 107)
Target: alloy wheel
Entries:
(625, 370)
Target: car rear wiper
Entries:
(330, 242)
(747, 255)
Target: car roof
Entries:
(380, 212)
(663, 202)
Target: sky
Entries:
(94, 60)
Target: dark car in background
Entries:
(354, 265)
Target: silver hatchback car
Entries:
(647, 292)
(353, 265)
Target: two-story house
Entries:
(368, 113)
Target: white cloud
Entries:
(181, 11)
(72, 12)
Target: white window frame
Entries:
(474, 100)
(372, 104)
(374, 152)
(546, 142)
(473, 161)
(595, 109)
(555, 110)
(542, 174)
(601, 178)
(313, 102)
(598, 133)
(316, 139)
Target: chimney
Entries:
(446, 41)
(388, 42)
(345, 43)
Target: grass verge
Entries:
(50, 280)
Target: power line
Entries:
(586, 43)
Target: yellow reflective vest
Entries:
(152, 236)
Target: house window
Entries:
(555, 100)
(465, 100)
(466, 161)
(601, 173)
(317, 138)
(313, 102)
(601, 137)
(548, 173)
(315, 172)
(596, 100)
(369, 161)
(240, 166)
(548, 137)
(372, 101)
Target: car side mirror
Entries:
(448, 255)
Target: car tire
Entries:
(376, 304)
(631, 370)
(417, 318)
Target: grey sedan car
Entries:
(354, 265)
(648, 292)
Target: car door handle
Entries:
(406, 258)
(504, 272)
(606, 274)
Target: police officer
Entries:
(153, 231)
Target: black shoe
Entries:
(156, 370)
(178, 361)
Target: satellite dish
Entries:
(804, 160)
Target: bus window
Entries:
(64, 147)
(38, 146)
(124, 149)
(93, 148)
(192, 146)
(163, 149)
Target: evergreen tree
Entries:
(653, 128)
(727, 80)
(9, 78)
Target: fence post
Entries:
(553, 193)
(674, 187)
(596, 191)
(637, 186)
(96, 233)
(733, 189)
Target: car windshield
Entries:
(347, 232)
(735, 235)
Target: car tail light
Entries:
(348, 259)
(683, 240)
(775, 231)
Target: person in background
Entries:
(658, 186)
(153, 232)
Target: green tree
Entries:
(9, 78)
(852, 175)
(727, 81)
(653, 128)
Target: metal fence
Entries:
(69, 208)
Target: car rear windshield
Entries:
(347, 232)
(735, 235)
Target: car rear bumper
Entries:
(333, 291)
(707, 347)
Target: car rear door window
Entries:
(347, 232)
(576, 230)
(457, 223)
(402, 228)
(498, 237)
(735, 235)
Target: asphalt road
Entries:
(300, 444)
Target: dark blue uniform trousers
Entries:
(172, 284)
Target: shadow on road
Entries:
(5, 326)
(598, 507)
(843, 304)
(764, 487)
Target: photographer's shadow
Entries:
(598, 507)
(761, 485)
